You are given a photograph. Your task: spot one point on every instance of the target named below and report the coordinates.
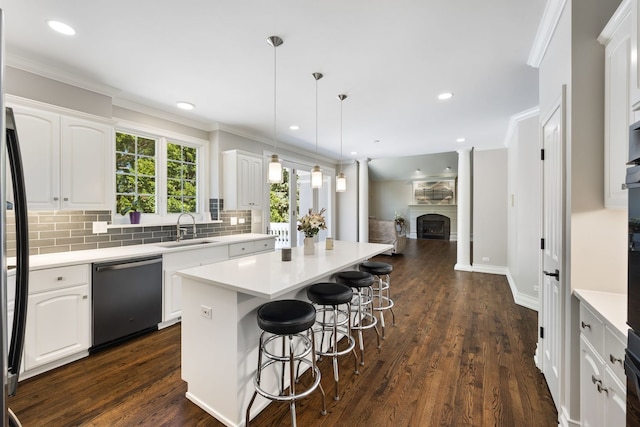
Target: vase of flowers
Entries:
(310, 225)
(400, 222)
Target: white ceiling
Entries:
(392, 59)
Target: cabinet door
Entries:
(617, 114)
(86, 164)
(249, 182)
(39, 137)
(57, 325)
(616, 404)
(591, 400)
(172, 295)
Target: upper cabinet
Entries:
(617, 39)
(67, 160)
(242, 180)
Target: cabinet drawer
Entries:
(240, 249)
(614, 354)
(58, 278)
(265, 245)
(592, 328)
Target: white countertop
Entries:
(37, 262)
(267, 276)
(611, 306)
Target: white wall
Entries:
(389, 197)
(523, 211)
(490, 210)
(592, 234)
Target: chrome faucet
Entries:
(179, 229)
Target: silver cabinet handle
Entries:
(596, 380)
(614, 359)
(55, 199)
(585, 325)
(84, 297)
(59, 278)
(66, 199)
(601, 389)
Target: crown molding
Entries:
(517, 118)
(144, 108)
(622, 12)
(550, 17)
(53, 73)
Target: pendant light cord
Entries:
(341, 99)
(317, 116)
(275, 93)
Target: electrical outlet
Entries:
(241, 221)
(233, 220)
(99, 227)
(486, 259)
(536, 288)
(205, 311)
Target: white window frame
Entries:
(163, 137)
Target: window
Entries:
(135, 171)
(166, 175)
(182, 176)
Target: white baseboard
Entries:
(564, 420)
(463, 267)
(524, 300)
(490, 269)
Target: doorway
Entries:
(293, 198)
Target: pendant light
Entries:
(275, 167)
(316, 172)
(341, 180)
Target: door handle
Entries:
(556, 274)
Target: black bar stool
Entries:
(381, 294)
(330, 296)
(290, 320)
(361, 305)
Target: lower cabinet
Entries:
(58, 315)
(171, 263)
(602, 389)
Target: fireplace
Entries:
(433, 226)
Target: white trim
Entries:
(621, 13)
(546, 28)
(564, 420)
(47, 71)
(521, 299)
(489, 269)
(463, 267)
(516, 119)
(163, 114)
(26, 102)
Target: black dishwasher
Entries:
(126, 300)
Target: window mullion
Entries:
(162, 176)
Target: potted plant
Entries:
(135, 209)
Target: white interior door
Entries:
(551, 298)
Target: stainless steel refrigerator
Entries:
(11, 162)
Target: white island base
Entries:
(219, 353)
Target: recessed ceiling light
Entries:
(461, 139)
(185, 105)
(61, 27)
(353, 153)
(375, 141)
(294, 127)
(445, 95)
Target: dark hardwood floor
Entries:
(461, 354)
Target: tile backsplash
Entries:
(65, 231)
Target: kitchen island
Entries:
(219, 329)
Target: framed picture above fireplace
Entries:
(441, 192)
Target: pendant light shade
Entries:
(275, 167)
(341, 183)
(316, 172)
(341, 180)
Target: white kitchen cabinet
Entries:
(243, 180)
(67, 160)
(602, 390)
(171, 263)
(251, 248)
(58, 316)
(617, 39)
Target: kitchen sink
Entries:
(183, 243)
